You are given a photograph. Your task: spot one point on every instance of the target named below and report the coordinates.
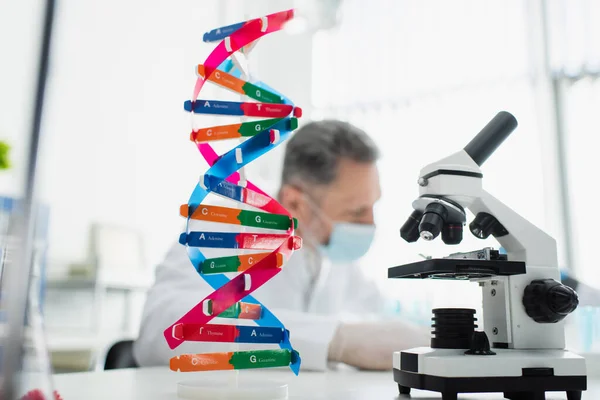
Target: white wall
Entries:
(117, 149)
(20, 40)
(423, 78)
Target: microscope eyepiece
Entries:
(491, 136)
(410, 230)
(433, 220)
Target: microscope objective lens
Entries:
(426, 235)
(433, 220)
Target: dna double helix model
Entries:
(232, 298)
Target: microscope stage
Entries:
(449, 268)
(450, 371)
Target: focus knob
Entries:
(548, 301)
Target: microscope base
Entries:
(519, 374)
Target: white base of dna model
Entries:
(246, 388)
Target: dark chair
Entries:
(120, 355)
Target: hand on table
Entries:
(371, 345)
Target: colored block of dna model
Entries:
(232, 298)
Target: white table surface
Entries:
(161, 384)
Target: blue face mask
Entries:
(348, 242)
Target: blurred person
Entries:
(330, 183)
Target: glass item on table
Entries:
(25, 371)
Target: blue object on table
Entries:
(587, 322)
(8, 207)
(563, 273)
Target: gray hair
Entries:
(314, 151)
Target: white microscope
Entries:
(521, 350)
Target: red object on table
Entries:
(38, 395)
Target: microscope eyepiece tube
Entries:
(491, 136)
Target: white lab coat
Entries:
(310, 311)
